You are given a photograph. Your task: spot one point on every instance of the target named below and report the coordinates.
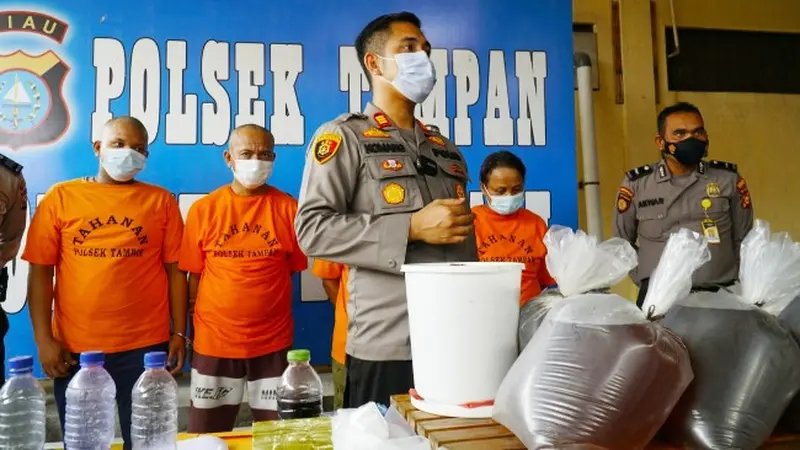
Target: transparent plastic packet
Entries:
(294, 434)
(746, 364)
(599, 372)
(369, 427)
(579, 264)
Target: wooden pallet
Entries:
(486, 434)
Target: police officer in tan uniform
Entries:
(684, 191)
(13, 214)
(381, 190)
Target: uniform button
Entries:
(660, 216)
(392, 263)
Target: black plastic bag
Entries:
(746, 364)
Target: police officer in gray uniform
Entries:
(684, 191)
(13, 214)
(380, 190)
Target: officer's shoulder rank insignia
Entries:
(624, 199)
(394, 193)
(381, 120)
(325, 146)
(437, 140)
(639, 172)
(730, 167)
(375, 133)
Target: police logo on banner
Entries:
(32, 107)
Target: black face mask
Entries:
(688, 152)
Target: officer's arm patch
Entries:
(639, 172)
(744, 194)
(730, 167)
(624, 199)
(325, 146)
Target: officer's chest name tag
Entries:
(384, 147)
(710, 231)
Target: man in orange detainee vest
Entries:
(334, 280)
(112, 243)
(240, 250)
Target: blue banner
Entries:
(194, 70)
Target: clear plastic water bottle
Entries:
(89, 421)
(300, 390)
(22, 408)
(154, 421)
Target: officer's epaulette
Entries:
(432, 128)
(349, 116)
(10, 164)
(730, 167)
(639, 172)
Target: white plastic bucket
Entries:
(463, 322)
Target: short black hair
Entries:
(500, 159)
(680, 107)
(374, 36)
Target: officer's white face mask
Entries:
(415, 77)
(122, 164)
(251, 173)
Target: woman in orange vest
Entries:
(504, 230)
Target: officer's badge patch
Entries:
(460, 191)
(456, 169)
(624, 199)
(392, 164)
(381, 120)
(325, 146)
(375, 133)
(712, 190)
(394, 194)
(744, 193)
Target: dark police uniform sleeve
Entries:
(334, 220)
(13, 209)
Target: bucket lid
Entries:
(463, 267)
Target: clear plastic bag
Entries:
(579, 264)
(295, 434)
(746, 364)
(368, 428)
(597, 373)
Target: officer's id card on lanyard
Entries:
(710, 229)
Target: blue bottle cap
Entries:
(20, 364)
(93, 357)
(155, 360)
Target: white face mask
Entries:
(122, 164)
(416, 75)
(506, 204)
(251, 173)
